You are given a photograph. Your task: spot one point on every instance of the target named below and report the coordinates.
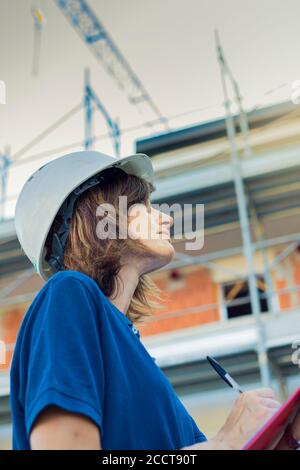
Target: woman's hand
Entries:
(249, 413)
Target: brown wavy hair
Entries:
(101, 258)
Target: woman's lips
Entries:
(165, 232)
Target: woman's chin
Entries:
(162, 249)
(165, 250)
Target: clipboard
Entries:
(271, 433)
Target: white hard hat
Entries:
(53, 189)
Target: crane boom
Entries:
(92, 31)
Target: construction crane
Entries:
(39, 21)
(91, 98)
(92, 31)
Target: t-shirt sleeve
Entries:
(199, 436)
(65, 363)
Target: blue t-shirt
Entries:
(76, 350)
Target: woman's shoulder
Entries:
(65, 291)
(71, 278)
(70, 274)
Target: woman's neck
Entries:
(129, 275)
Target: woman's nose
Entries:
(167, 219)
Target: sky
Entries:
(170, 45)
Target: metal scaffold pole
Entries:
(244, 224)
(259, 229)
(5, 162)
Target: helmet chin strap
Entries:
(66, 211)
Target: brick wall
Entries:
(10, 324)
(192, 289)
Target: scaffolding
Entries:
(242, 207)
(246, 206)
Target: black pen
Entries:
(224, 374)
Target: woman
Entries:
(80, 376)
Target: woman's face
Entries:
(152, 228)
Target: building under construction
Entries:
(237, 296)
(209, 308)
